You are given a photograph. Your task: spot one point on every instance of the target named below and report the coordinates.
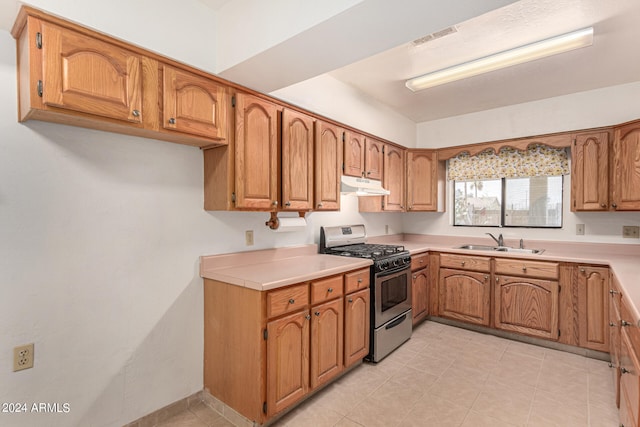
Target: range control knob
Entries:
(383, 265)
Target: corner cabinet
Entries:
(284, 343)
(625, 186)
(425, 181)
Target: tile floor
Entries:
(447, 376)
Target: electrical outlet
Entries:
(23, 357)
(248, 237)
(580, 229)
(630, 231)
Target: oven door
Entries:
(392, 294)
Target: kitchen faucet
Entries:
(499, 240)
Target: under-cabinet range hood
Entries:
(362, 186)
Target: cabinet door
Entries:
(593, 305)
(326, 341)
(373, 159)
(356, 327)
(328, 166)
(629, 381)
(420, 294)
(87, 75)
(625, 190)
(297, 161)
(527, 306)
(394, 170)
(590, 174)
(422, 180)
(353, 154)
(614, 340)
(256, 151)
(287, 361)
(194, 104)
(465, 296)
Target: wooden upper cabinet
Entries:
(328, 166)
(373, 159)
(194, 104)
(394, 173)
(354, 149)
(256, 153)
(423, 181)
(625, 188)
(297, 161)
(83, 74)
(590, 172)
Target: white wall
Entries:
(602, 107)
(100, 236)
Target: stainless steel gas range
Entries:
(390, 285)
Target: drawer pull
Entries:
(172, 121)
(625, 323)
(612, 292)
(463, 262)
(524, 269)
(350, 300)
(610, 365)
(135, 113)
(612, 324)
(308, 316)
(317, 313)
(292, 301)
(415, 277)
(330, 290)
(582, 270)
(625, 371)
(360, 280)
(485, 277)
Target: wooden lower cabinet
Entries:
(287, 361)
(614, 334)
(465, 296)
(265, 351)
(629, 381)
(593, 306)
(527, 306)
(420, 294)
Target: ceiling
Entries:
(614, 58)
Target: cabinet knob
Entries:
(135, 113)
(308, 316)
(624, 323)
(485, 277)
(612, 292)
(410, 207)
(497, 279)
(415, 277)
(524, 269)
(421, 260)
(462, 263)
(287, 204)
(624, 371)
(610, 365)
(330, 290)
(350, 300)
(274, 203)
(317, 313)
(368, 172)
(292, 301)
(615, 206)
(319, 205)
(172, 121)
(612, 324)
(582, 270)
(603, 205)
(360, 280)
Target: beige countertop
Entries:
(273, 268)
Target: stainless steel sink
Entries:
(501, 249)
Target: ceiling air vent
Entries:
(433, 36)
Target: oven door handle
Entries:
(396, 322)
(402, 269)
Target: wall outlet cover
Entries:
(23, 357)
(630, 232)
(580, 229)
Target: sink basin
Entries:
(500, 249)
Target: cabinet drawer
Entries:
(326, 289)
(419, 261)
(287, 300)
(356, 280)
(464, 262)
(525, 268)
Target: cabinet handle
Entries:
(625, 323)
(463, 262)
(410, 207)
(275, 203)
(415, 277)
(615, 206)
(524, 269)
(317, 313)
(625, 371)
(497, 279)
(319, 205)
(292, 301)
(360, 280)
(603, 205)
(368, 172)
(612, 324)
(350, 300)
(172, 121)
(308, 316)
(485, 277)
(582, 270)
(612, 292)
(287, 204)
(135, 113)
(610, 365)
(330, 290)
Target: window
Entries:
(510, 188)
(528, 202)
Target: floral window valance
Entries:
(537, 160)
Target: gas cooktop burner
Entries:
(366, 250)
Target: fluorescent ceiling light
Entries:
(507, 58)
